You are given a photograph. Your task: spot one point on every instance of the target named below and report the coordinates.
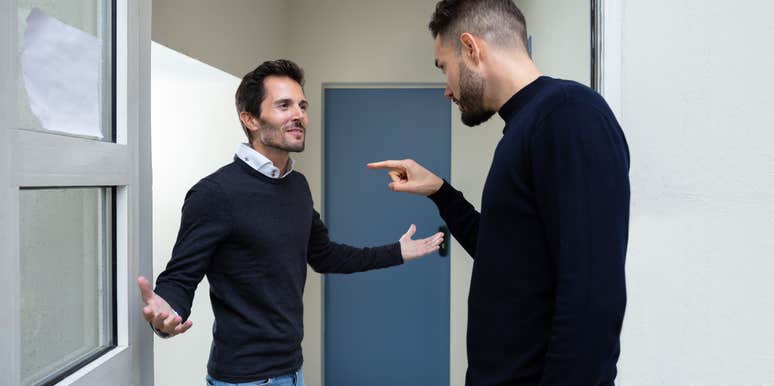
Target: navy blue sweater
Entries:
(253, 237)
(548, 293)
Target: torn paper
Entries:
(61, 71)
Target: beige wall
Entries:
(234, 35)
(561, 37)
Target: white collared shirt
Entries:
(260, 163)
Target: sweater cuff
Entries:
(174, 298)
(159, 333)
(443, 195)
(396, 256)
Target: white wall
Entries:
(697, 100)
(195, 131)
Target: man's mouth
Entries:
(295, 130)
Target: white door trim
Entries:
(612, 54)
(10, 339)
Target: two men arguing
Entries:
(547, 295)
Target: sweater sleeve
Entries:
(205, 223)
(580, 167)
(461, 217)
(326, 256)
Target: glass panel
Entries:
(65, 67)
(67, 292)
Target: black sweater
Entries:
(548, 294)
(253, 236)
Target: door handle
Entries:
(443, 249)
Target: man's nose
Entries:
(447, 92)
(298, 113)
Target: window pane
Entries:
(67, 313)
(58, 90)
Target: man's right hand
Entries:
(159, 313)
(409, 176)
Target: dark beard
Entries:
(471, 97)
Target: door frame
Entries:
(606, 52)
(126, 164)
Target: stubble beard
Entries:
(272, 136)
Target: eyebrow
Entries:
(289, 100)
(302, 102)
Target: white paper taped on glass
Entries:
(61, 70)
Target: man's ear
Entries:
(247, 119)
(471, 48)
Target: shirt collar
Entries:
(260, 163)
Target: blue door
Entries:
(386, 327)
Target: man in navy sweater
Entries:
(547, 294)
(252, 229)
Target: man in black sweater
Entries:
(251, 228)
(547, 294)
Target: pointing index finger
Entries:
(388, 164)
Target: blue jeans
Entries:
(293, 379)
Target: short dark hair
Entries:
(252, 91)
(498, 21)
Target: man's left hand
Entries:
(414, 249)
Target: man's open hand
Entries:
(159, 313)
(414, 249)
